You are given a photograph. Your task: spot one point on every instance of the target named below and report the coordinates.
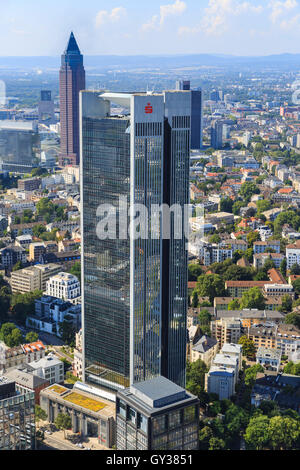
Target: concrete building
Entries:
(23, 241)
(10, 255)
(226, 330)
(64, 286)
(293, 254)
(221, 381)
(157, 415)
(32, 278)
(277, 290)
(49, 368)
(26, 382)
(90, 415)
(78, 358)
(261, 247)
(269, 358)
(261, 258)
(51, 312)
(29, 184)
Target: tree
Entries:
(216, 444)
(210, 286)
(248, 346)
(248, 190)
(292, 369)
(284, 432)
(195, 299)
(257, 433)
(283, 267)
(296, 286)
(253, 299)
(194, 272)
(40, 414)
(226, 204)
(67, 332)
(32, 337)
(17, 266)
(204, 318)
(237, 207)
(252, 237)
(295, 270)
(215, 238)
(292, 319)
(287, 304)
(234, 305)
(63, 422)
(205, 436)
(251, 374)
(11, 335)
(262, 206)
(22, 305)
(238, 273)
(76, 270)
(195, 377)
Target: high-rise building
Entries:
(72, 81)
(19, 146)
(134, 288)
(217, 134)
(46, 108)
(196, 114)
(183, 85)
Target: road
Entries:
(57, 444)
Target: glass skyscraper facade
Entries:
(134, 288)
(17, 418)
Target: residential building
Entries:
(157, 415)
(149, 331)
(293, 254)
(72, 81)
(221, 381)
(237, 288)
(35, 251)
(226, 330)
(64, 286)
(283, 389)
(205, 349)
(29, 184)
(10, 255)
(23, 241)
(229, 362)
(17, 417)
(261, 247)
(278, 290)
(49, 368)
(269, 358)
(51, 312)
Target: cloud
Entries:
(113, 16)
(217, 16)
(157, 21)
(281, 8)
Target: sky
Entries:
(134, 27)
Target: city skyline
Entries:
(164, 27)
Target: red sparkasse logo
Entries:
(148, 108)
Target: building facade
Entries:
(135, 287)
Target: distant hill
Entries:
(104, 62)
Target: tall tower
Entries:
(134, 288)
(72, 81)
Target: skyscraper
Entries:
(72, 81)
(196, 114)
(134, 288)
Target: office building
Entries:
(46, 108)
(196, 115)
(32, 278)
(19, 146)
(17, 417)
(72, 80)
(134, 290)
(217, 135)
(157, 415)
(91, 416)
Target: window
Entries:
(189, 414)
(122, 409)
(131, 415)
(174, 419)
(142, 423)
(159, 424)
